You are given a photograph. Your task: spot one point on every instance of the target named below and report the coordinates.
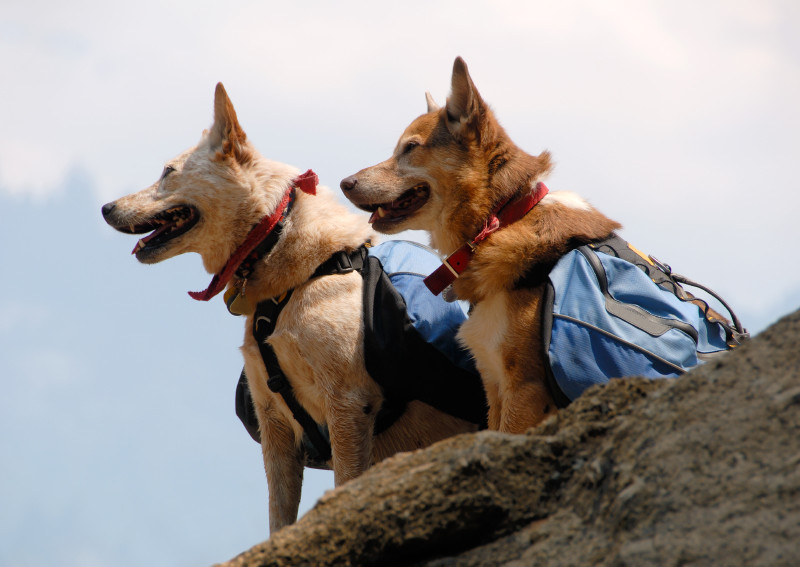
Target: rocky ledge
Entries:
(701, 470)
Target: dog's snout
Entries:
(348, 183)
(108, 208)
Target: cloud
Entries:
(45, 370)
(631, 97)
(30, 167)
(89, 89)
(16, 317)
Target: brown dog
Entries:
(207, 201)
(456, 174)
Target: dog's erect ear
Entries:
(226, 135)
(432, 106)
(464, 105)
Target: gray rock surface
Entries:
(701, 470)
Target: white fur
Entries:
(318, 337)
(568, 199)
(485, 340)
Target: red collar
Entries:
(307, 183)
(503, 214)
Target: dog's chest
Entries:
(484, 334)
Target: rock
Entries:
(700, 470)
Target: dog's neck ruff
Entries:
(503, 214)
(307, 183)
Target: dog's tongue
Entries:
(143, 241)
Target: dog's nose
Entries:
(108, 208)
(348, 183)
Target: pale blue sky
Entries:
(118, 441)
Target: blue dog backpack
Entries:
(610, 312)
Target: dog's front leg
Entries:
(351, 421)
(283, 463)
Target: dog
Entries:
(207, 200)
(455, 173)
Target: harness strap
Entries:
(264, 321)
(343, 262)
(315, 442)
(662, 275)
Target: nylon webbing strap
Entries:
(343, 262)
(662, 274)
(264, 322)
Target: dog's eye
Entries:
(410, 145)
(167, 170)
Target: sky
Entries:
(119, 445)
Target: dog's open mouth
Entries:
(401, 208)
(165, 226)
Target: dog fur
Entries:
(319, 335)
(450, 168)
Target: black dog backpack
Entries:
(410, 344)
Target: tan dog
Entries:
(207, 201)
(450, 171)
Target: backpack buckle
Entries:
(343, 264)
(666, 268)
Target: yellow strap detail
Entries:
(644, 256)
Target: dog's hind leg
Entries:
(283, 463)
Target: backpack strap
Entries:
(558, 394)
(631, 313)
(662, 274)
(343, 262)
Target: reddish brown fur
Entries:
(535, 243)
(470, 165)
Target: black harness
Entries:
(403, 364)
(316, 441)
(396, 356)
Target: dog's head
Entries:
(448, 170)
(206, 199)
